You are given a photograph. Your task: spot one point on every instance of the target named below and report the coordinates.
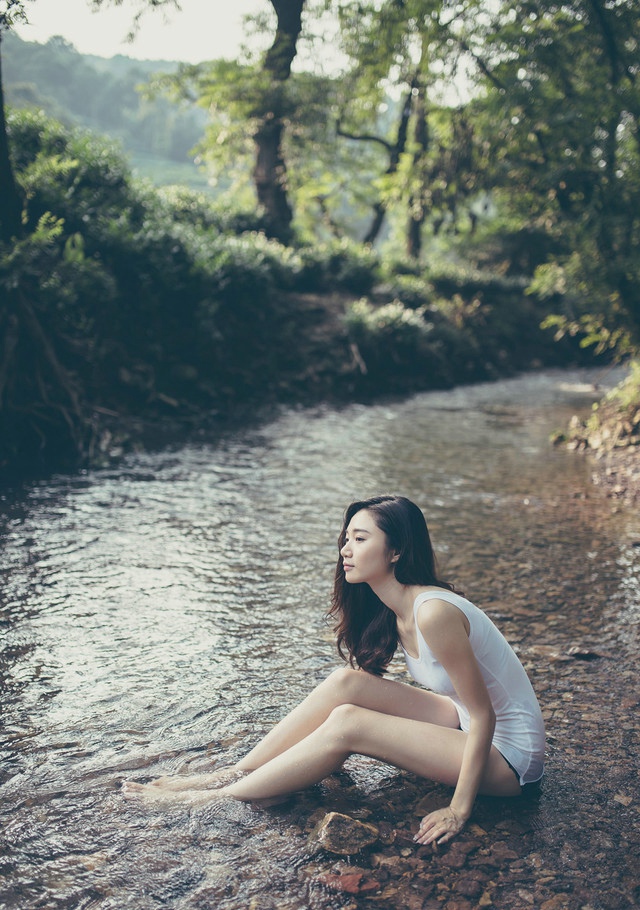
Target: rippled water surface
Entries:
(160, 615)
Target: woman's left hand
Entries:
(440, 826)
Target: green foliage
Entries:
(591, 309)
(413, 291)
(561, 119)
(392, 324)
(397, 345)
(338, 265)
(12, 12)
(627, 395)
(45, 281)
(201, 211)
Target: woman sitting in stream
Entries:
(478, 730)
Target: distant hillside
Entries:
(103, 95)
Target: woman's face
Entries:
(365, 554)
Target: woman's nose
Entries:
(345, 549)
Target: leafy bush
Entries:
(49, 354)
(31, 134)
(397, 345)
(200, 210)
(338, 265)
(414, 291)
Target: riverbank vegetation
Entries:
(612, 434)
(367, 234)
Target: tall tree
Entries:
(562, 116)
(409, 48)
(270, 171)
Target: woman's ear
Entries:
(395, 558)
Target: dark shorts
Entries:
(524, 787)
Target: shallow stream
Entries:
(158, 616)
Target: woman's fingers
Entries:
(439, 827)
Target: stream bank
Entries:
(610, 438)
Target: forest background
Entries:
(445, 192)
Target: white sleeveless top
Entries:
(519, 732)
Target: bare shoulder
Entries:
(440, 618)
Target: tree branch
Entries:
(363, 137)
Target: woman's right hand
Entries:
(440, 826)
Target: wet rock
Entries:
(453, 858)
(387, 833)
(559, 902)
(344, 835)
(355, 881)
(502, 855)
(470, 885)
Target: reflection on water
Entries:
(161, 614)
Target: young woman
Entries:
(478, 730)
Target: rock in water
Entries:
(342, 834)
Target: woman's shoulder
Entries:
(435, 608)
(434, 594)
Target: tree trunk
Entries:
(380, 209)
(270, 172)
(10, 200)
(417, 212)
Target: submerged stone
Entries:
(344, 835)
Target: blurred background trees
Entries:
(464, 167)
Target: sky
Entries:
(203, 30)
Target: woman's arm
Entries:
(444, 629)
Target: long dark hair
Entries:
(365, 628)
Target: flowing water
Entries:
(158, 616)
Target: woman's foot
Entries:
(151, 793)
(167, 796)
(211, 780)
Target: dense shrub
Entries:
(414, 291)
(200, 210)
(49, 346)
(398, 345)
(339, 265)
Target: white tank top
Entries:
(519, 733)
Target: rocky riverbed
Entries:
(572, 843)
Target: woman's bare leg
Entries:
(344, 686)
(205, 780)
(427, 749)
(349, 687)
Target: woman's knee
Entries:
(342, 724)
(346, 683)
